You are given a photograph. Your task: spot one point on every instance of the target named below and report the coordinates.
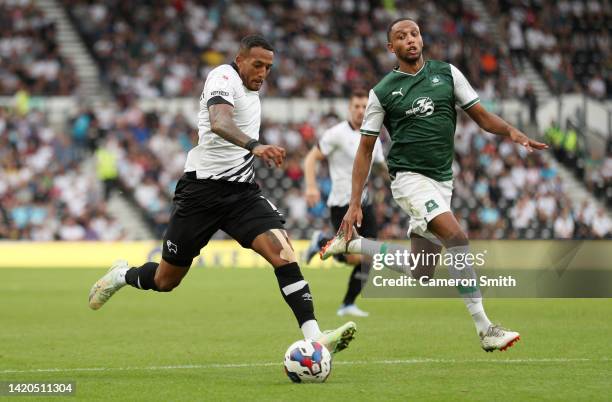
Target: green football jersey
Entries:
(418, 110)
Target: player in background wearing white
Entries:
(218, 192)
(338, 145)
(416, 103)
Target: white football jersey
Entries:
(339, 145)
(215, 158)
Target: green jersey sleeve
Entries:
(374, 116)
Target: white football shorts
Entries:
(422, 198)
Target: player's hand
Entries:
(353, 216)
(520, 138)
(313, 196)
(271, 154)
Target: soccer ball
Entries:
(307, 361)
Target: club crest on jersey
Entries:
(431, 205)
(435, 80)
(421, 107)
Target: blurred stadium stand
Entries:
(30, 59)
(133, 132)
(324, 48)
(568, 41)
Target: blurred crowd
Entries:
(324, 48)
(151, 48)
(504, 192)
(500, 192)
(598, 176)
(590, 163)
(568, 41)
(29, 55)
(45, 192)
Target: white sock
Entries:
(354, 246)
(121, 276)
(311, 330)
(473, 299)
(476, 309)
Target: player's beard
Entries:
(406, 58)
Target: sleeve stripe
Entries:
(217, 100)
(470, 104)
(368, 132)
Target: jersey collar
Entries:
(396, 70)
(351, 126)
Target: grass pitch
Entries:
(222, 334)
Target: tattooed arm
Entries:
(222, 124)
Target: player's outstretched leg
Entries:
(275, 247)
(162, 277)
(360, 245)
(492, 337)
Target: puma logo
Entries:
(397, 92)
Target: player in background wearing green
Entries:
(416, 103)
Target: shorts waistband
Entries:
(193, 176)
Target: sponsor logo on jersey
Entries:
(421, 107)
(221, 82)
(398, 92)
(307, 296)
(431, 205)
(435, 80)
(219, 93)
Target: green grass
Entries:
(411, 349)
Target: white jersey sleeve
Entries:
(374, 116)
(219, 88)
(327, 143)
(465, 96)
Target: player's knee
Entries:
(167, 284)
(456, 238)
(278, 250)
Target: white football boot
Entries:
(498, 338)
(338, 339)
(351, 309)
(106, 286)
(337, 245)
